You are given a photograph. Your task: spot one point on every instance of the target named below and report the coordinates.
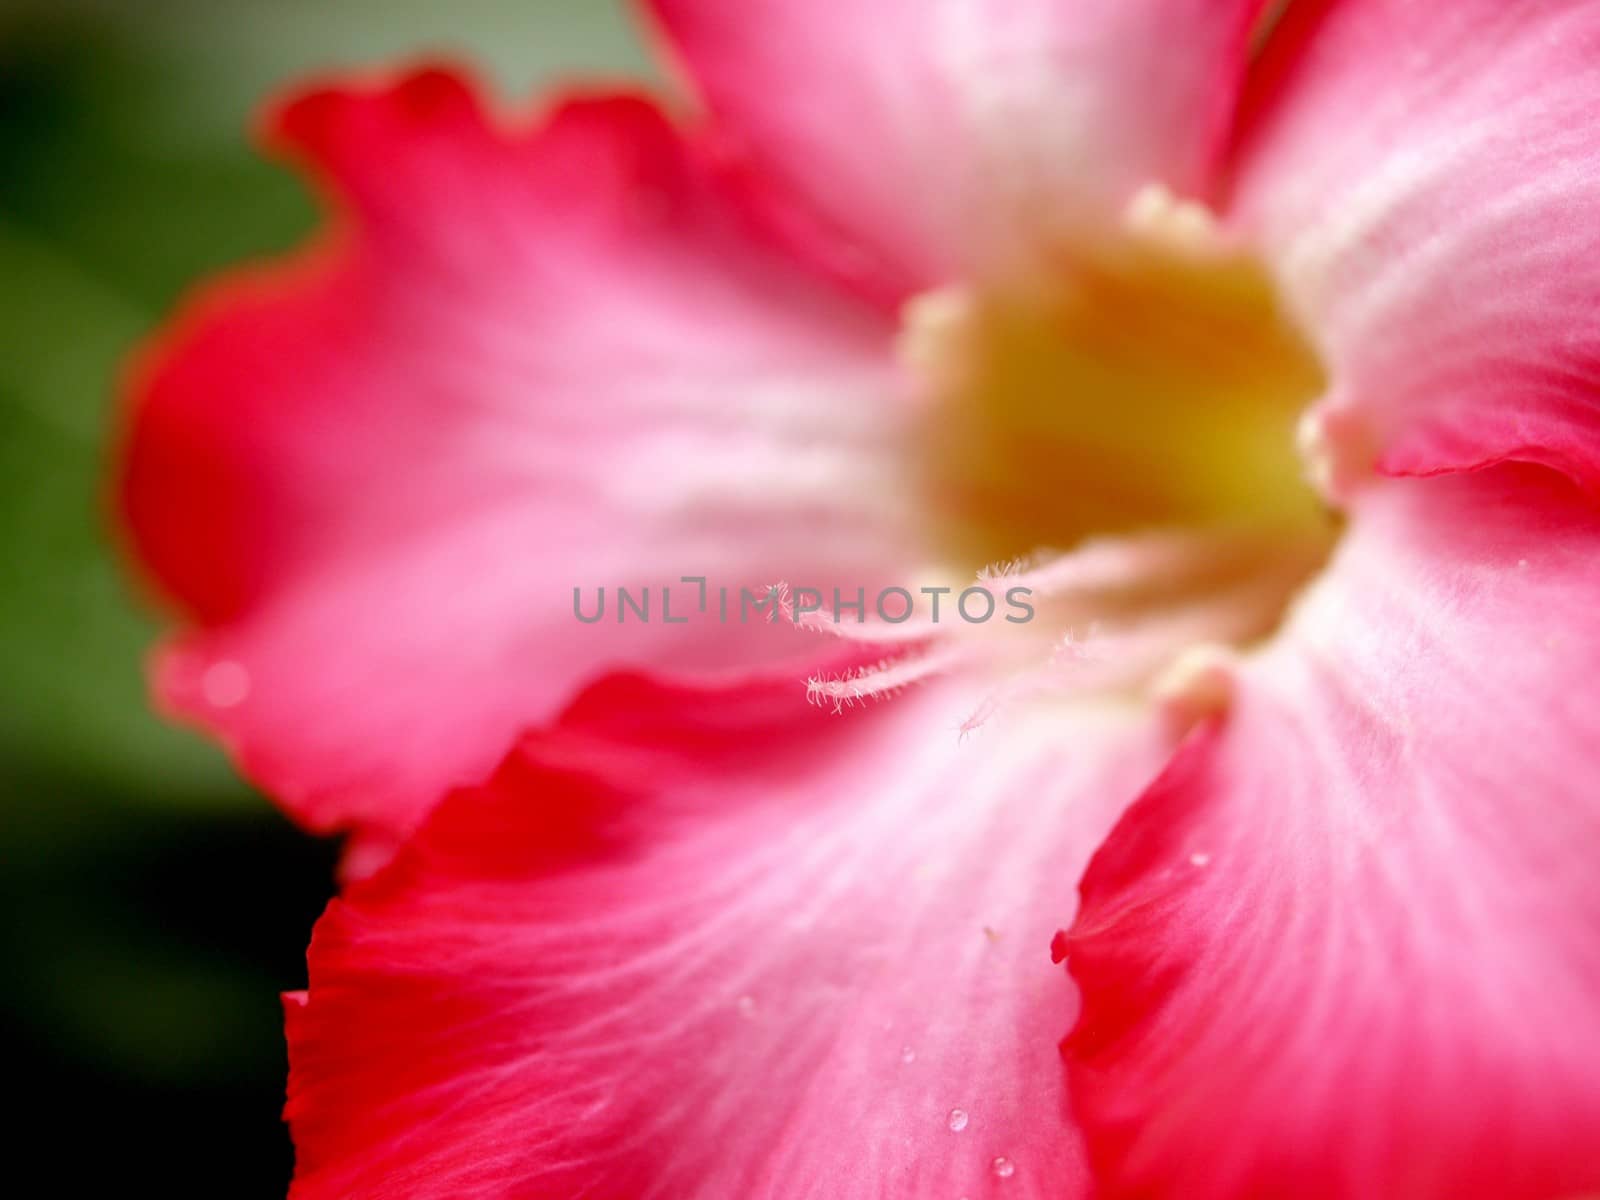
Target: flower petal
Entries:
(718, 943)
(532, 361)
(924, 137)
(1427, 178)
(1349, 945)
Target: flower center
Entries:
(1141, 396)
(1150, 383)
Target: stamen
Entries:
(886, 678)
(1198, 686)
(931, 332)
(1339, 450)
(1157, 216)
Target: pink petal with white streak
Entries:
(1348, 946)
(1426, 178)
(927, 137)
(719, 944)
(534, 360)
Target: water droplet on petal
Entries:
(958, 1120)
(907, 1055)
(225, 684)
(1199, 858)
(747, 1006)
(1003, 1167)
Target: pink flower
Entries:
(918, 294)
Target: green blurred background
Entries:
(155, 906)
